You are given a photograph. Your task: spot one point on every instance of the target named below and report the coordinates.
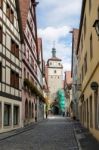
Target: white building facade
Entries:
(10, 66)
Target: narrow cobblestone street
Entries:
(56, 133)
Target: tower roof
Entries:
(54, 58)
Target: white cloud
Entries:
(55, 20)
(57, 12)
(51, 34)
(54, 34)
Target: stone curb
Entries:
(78, 143)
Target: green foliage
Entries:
(61, 99)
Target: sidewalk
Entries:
(8, 134)
(84, 138)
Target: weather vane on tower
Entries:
(54, 44)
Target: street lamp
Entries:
(96, 26)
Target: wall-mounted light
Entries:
(94, 86)
(96, 26)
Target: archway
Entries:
(26, 109)
(30, 110)
(55, 110)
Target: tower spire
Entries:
(53, 50)
(53, 44)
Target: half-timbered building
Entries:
(31, 71)
(10, 65)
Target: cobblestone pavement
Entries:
(84, 138)
(54, 134)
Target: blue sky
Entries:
(55, 18)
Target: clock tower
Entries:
(55, 75)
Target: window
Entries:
(7, 114)
(17, 51)
(16, 115)
(24, 73)
(85, 63)
(96, 108)
(32, 62)
(1, 3)
(8, 11)
(28, 55)
(14, 48)
(1, 34)
(0, 71)
(91, 47)
(91, 112)
(14, 79)
(35, 68)
(90, 5)
(28, 75)
(85, 111)
(54, 71)
(12, 16)
(32, 110)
